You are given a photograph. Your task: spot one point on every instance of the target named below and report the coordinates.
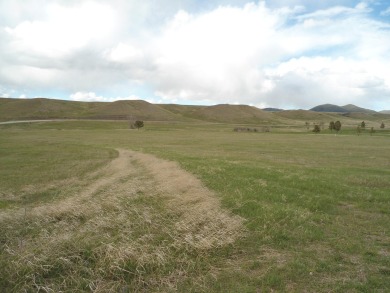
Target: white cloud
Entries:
(92, 97)
(386, 12)
(292, 53)
(125, 53)
(334, 12)
(327, 80)
(222, 56)
(214, 55)
(63, 29)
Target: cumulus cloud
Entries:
(124, 53)
(63, 30)
(216, 55)
(285, 53)
(225, 56)
(331, 80)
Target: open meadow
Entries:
(92, 206)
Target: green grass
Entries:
(316, 206)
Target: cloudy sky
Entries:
(279, 53)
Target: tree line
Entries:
(337, 127)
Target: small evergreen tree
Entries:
(363, 124)
(138, 124)
(337, 126)
(382, 125)
(316, 128)
(331, 125)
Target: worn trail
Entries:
(138, 210)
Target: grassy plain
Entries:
(316, 210)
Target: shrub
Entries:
(138, 124)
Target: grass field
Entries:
(285, 211)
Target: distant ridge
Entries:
(342, 109)
(42, 108)
(353, 108)
(304, 115)
(329, 108)
(272, 109)
(385, 112)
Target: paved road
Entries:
(29, 121)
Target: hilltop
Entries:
(341, 109)
(328, 108)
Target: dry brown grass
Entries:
(135, 226)
(203, 224)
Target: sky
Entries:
(289, 54)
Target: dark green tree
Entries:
(363, 125)
(358, 130)
(337, 126)
(138, 124)
(316, 128)
(331, 125)
(382, 125)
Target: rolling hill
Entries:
(134, 109)
(26, 109)
(223, 113)
(341, 109)
(12, 109)
(353, 108)
(41, 108)
(328, 108)
(272, 109)
(304, 115)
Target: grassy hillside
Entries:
(77, 215)
(19, 109)
(136, 109)
(223, 113)
(353, 108)
(23, 109)
(304, 115)
(33, 109)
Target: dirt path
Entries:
(136, 212)
(110, 174)
(202, 223)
